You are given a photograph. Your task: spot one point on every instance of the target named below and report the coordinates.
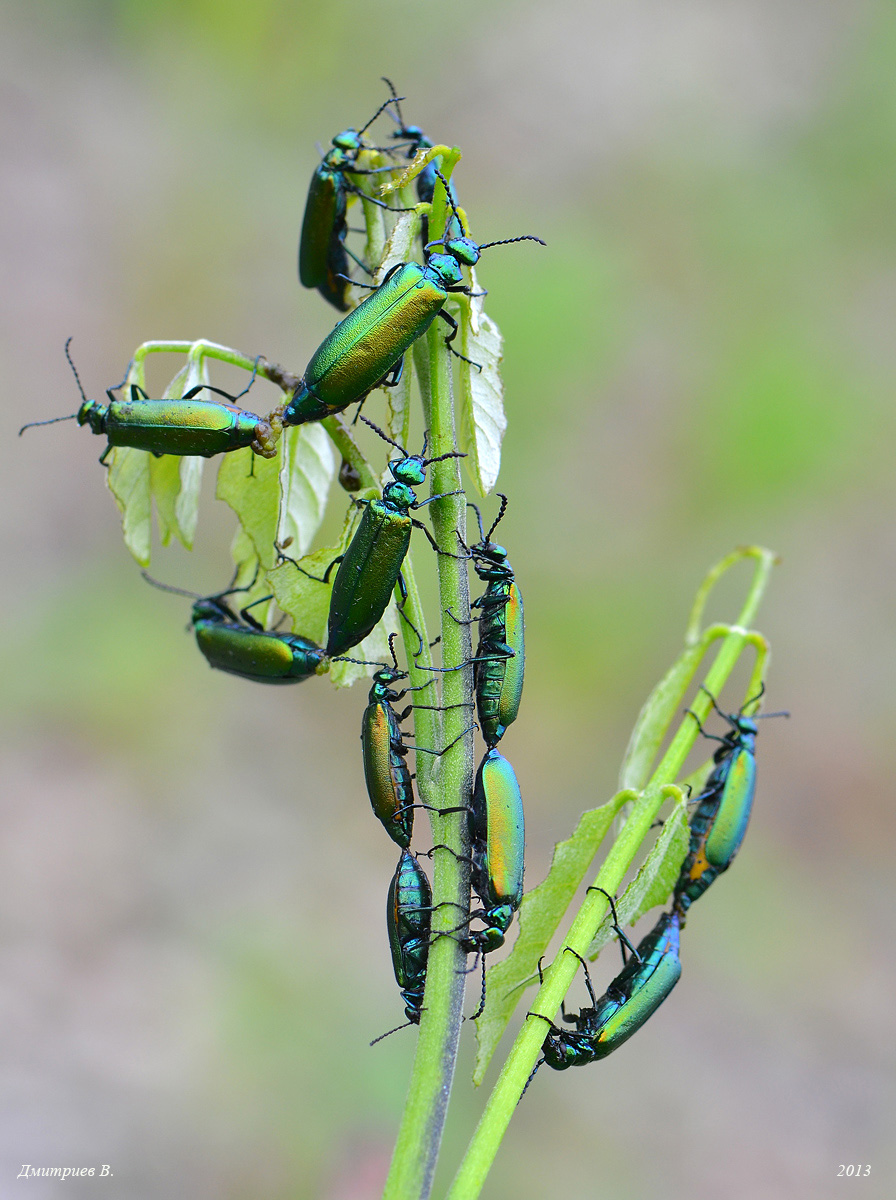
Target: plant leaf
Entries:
(400, 244)
(309, 465)
(175, 480)
(481, 394)
(129, 482)
(251, 486)
(540, 913)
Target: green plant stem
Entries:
(445, 782)
(517, 1069)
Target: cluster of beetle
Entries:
(651, 970)
(364, 351)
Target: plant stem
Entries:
(445, 782)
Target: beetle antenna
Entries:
(51, 421)
(501, 512)
(391, 100)
(384, 436)
(168, 587)
(526, 237)
(74, 370)
(389, 1032)
(392, 637)
(450, 201)
(395, 99)
(442, 457)
(251, 381)
(475, 509)
(359, 662)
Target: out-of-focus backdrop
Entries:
(193, 955)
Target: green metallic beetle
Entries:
(500, 658)
(498, 840)
(370, 567)
(185, 426)
(246, 649)
(384, 752)
(408, 920)
(241, 646)
(366, 348)
(323, 255)
(719, 822)
(634, 996)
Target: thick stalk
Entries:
(445, 783)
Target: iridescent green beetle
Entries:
(186, 426)
(408, 920)
(323, 255)
(366, 348)
(370, 567)
(500, 659)
(240, 645)
(720, 820)
(634, 996)
(498, 840)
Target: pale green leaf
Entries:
(128, 479)
(540, 913)
(251, 486)
(304, 599)
(400, 244)
(655, 879)
(481, 394)
(309, 465)
(186, 502)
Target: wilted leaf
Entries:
(128, 480)
(251, 486)
(309, 465)
(481, 394)
(400, 244)
(175, 480)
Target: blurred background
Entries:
(193, 954)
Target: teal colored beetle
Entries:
(498, 839)
(241, 646)
(370, 567)
(500, 659)
(366, 348)
(719, 822)
(384, 753)
(408, 920)
(186, 426)
(634, 995)
(323, 254)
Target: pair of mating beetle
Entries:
(717, 828)
(364, 351)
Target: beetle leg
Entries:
(452, 335)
